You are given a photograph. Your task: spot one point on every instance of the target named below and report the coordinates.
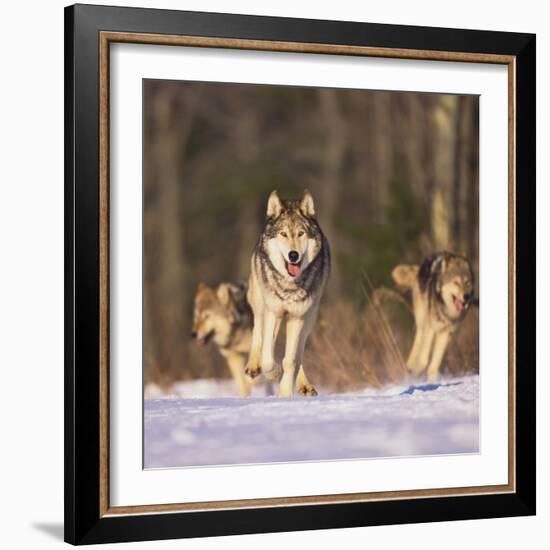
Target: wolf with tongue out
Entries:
(289, 271)
(442, 292)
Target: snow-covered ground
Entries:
(196, 424)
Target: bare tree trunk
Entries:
(472, 183)
(165, 271)
(412, 146)
(248, 149)
(382, 148)
(444, 116)
(459, 218)
(332, 163)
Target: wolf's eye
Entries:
(300, 233)
(283, 234)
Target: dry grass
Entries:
(351, 349)
(463, 354)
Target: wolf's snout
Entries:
(466, 297)
(193, 334)
(293, 256)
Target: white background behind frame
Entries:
(130, 484)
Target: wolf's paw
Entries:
(253, 371)
(307, 390)
(433, 377)
(273, 373)
(410, 366)
(418, 372)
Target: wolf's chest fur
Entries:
(293, 296)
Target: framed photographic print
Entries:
(299, 274)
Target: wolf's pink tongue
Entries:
(294, 270)
(458, 305)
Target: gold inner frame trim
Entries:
(105, 39)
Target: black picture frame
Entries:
(84, 523)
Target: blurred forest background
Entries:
(394, 176)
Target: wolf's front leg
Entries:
(271, 325)
(294, 328)
(236, 364)
(253, 365)
(426, 344)
(415, 350)
(303, 385)
(441, 342)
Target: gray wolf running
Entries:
(222, 315)
(289, 270)
(442, 292)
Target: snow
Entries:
(196, 424)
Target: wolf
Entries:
(222, 315)
(442, 292)
(290, 267)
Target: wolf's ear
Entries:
(201, 287)
(306, 205)
(223, 294)
(274, 205)
(439, 265)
